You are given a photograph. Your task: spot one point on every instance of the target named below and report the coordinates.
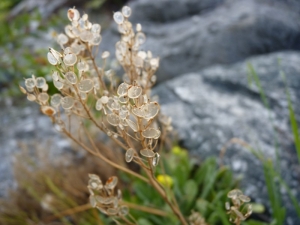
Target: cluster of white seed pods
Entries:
(241, 209)
(105, 198)
(127, 110)
(139, 65)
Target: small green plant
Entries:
(90, 95)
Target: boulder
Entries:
(189, 35)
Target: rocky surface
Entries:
(190, 35)
(214, 105)
(24, 127)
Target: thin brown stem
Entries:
(158, 212)
(104, 158)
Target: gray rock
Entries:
(189, 34)
(212, 106)
(27, 127)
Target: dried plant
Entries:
(240, 210)
(90, 94)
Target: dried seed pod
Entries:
(70, 59)
(71, 77)
(113, 119)
(40, 82)
(48, 110)
(86, 85)
(111, 183)
(134, 92)
(67, 102)
(132, 125)
(151, 110)
(151, 133)
(43, 97)
(129, 155)
(147, 153)
(155, 159)
(122, 89)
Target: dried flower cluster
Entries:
(104, 197)
(196, 219)
(241, 209)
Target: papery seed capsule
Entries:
(151, 133)
(155, 159)
(52, 60)
(86, 85)
(55, 76)
(67, 102)
(71, 77)
(76, 32)
(111, 182)
(73, 14)
(126, 11)
(96, 39)
(30, 83)
(99, 105)
(104, 99)
(151, 110)
(112, 211)
(48, 110)
(68, 31)
(244, 198)
(129, 155)
(123, 99)
(43, 97)
(132, 125)
(124, 210)
(118, 17)
(122, 89)
(22, 90)
(62, 39)
(134, 92)
(113, 104)
(138, 112)
(31, 97)
(70, 59)
(113, 119)
(140, 38)
(55, 100)
(147, 153)
(59, 85)
(86, 36)
(82, 66)
(234, 193)
(227, 205)
(40, 82)
(154, 62)
(93, 201)
(105, 55)
(96, 28)
(138, 27)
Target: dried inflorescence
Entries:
(89, 92)
(128, 115)
(241, 209)
(105, 198)
(196, 219)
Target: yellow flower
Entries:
(176, 150)
(165, 180)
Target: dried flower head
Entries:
(241, 209)
(105, 198)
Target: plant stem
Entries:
(105, 159)
(146, 209)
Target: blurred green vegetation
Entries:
(19, 57)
